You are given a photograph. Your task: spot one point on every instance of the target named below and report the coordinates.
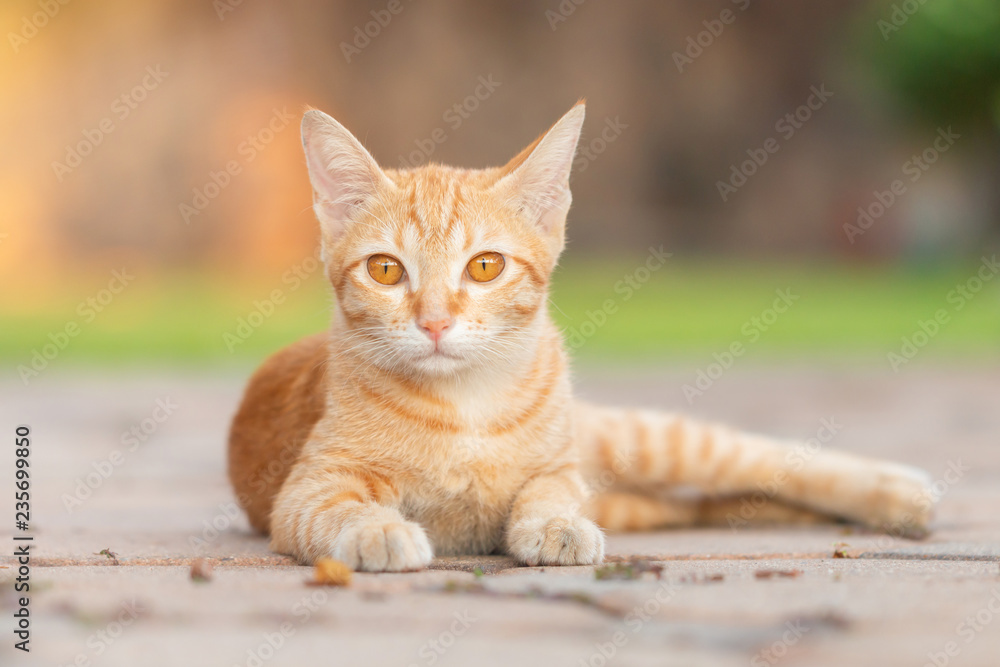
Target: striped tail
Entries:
(643, 466)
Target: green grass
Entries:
(704, 307)
(685, 308)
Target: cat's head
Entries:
(438, 269)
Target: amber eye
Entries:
(385, 269)
(485, 267)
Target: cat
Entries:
(436, 415)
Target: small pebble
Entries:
(201, 570)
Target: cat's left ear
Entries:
(539, 176)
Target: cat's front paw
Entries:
(383, 546)
(569, 540)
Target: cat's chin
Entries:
(439, 363)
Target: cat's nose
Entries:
(435, 328)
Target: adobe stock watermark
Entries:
(121, 108)
(454, 116)
(433, 649)
(912, 169)
(264, 308)
(605, 480)
(88, 310)
(100, 641)
(32, 23)
(625, 288)
(271, 642)
(697, 43)
(247, 150)
(967, 630)
(795, 460)
(900, 14)
(223, 7)
(213, 528)
(588, 151)
(786, 127)
(562, 12)
(635, 620)
(621, 464)
(131, 439)
(751, 330)
(364, 34)
(957, 299)
(923, 501)
(794, 631)
(277, 468)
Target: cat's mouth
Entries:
(438, 353)
(438, 349)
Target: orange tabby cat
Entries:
(436, 415)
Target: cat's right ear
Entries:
(344, 175)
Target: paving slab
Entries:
(686, 597)
(700, 610)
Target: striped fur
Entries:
(633, 460)
(381, 445)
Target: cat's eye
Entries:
(385, 269)
(485, 267)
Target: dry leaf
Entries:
(329, 572)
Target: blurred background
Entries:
(155, 207)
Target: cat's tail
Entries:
(651, 469)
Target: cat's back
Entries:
(282, 403)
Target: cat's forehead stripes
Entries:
(440, 212)
(455, 207)
(434, 207)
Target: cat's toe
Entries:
(557, 541)
(384, 547)
(408, 547)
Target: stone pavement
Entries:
(133, 462)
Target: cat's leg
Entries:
(346, 513)
(545, 526)
(623, 511)
(656, 450)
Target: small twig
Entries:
(768, 574)
(839, 550)
(109, 554)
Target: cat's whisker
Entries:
(556, 306)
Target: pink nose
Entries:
(435, 328)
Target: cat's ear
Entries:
(344, 175)
(539, 175)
